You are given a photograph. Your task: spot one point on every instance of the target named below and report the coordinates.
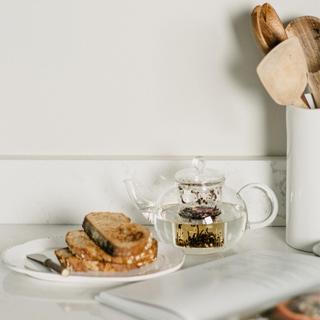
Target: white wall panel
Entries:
(142, 77)
(63, 191)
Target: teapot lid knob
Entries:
(199, 164)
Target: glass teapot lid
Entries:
(199, 174)
(195, 195)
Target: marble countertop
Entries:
(22, 297)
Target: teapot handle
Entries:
(270, 195)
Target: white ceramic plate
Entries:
(169, 260)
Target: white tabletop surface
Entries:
(22, 297)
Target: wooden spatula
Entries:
(307, 29)
(283, 73)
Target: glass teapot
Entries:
(199, 213)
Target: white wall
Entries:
(135, 77)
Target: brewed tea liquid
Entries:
(202, 236)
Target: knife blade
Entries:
(45, 261)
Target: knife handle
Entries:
(56, 267)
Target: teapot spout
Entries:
(146, 207)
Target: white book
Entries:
(221, 289)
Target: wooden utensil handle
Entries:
(56, 267)
(314, 85)
(301, 103)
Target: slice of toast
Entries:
(73, 263)
(115, 234)
(83, 247)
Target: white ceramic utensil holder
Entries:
(303, 177)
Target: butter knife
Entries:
(45, 261)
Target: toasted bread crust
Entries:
(75, 264)
(117, 235)
(83, 247)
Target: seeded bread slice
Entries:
(83, 247)
(75, 264)
(117, 235)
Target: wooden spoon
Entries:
(307, 29)
(271, 26)
(267, 27)
(255, 21)
(283, 73)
